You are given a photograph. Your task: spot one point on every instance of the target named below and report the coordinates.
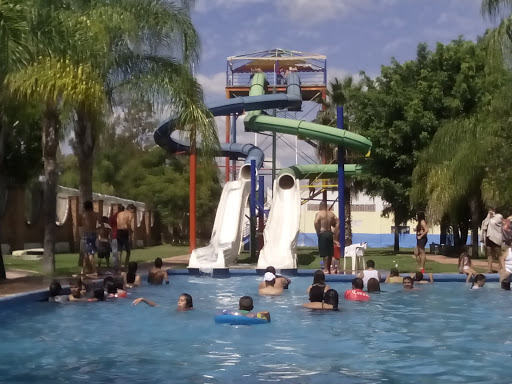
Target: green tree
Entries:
(402, 109)
(131, 67)
(462, 166)
(51, 78)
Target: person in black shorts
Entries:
(325, 221)
(421, 241)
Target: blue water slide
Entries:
(291, 100)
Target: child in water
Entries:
(465, 265)
(478, 282)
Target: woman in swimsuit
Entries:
(319, 280)
(421, 240)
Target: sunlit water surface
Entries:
(442, 333)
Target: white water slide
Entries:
(282, 229)
(225, 243)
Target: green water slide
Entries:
(324, 171)
(257, 122)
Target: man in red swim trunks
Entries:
(357, 293)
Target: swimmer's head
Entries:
(75, 287)
(99, 294)
(158, 262)
(55, 288)
(270, 269)
(479, 280)
(370, 264)
(357, 283)
(393, 272)
(132, 266)
(418, 276)
(185, 302)
(316, 294)
(331, 297)
(110, 286)
(373, 285)
(246, 303)
(408, 282)
(505, 284)
(319, 277)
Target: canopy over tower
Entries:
(276, 63)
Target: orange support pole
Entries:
(192, 202)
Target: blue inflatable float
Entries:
(239, 318)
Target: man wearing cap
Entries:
(272, 288)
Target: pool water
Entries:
(441, 333)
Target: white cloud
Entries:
(393, 45)
(207, 5)
(393, 22)
(341, 73)
(315, 11)
(213, 85)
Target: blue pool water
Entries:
(441, 333)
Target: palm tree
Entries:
(13, 53)
(338, 95)
(52, 77)
(132, 67)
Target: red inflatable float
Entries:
(356, 295)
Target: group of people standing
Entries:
(101, 236)
(327, 227)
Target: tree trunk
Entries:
(2, 183)
(444, 231)
(474, 210)
(456, 236)
(83, 146)
(50, 139)
(464, 229)
(396, 246)
(348, 217)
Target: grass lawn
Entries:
(385, 259)
(66, 263)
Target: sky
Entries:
(355, 35)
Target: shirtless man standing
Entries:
(124, 231)
(325, 221)
(88, 221)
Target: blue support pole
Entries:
(261, 212)
(252, 206)
(341, 184)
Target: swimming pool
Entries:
(441, 333)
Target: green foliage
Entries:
(403, 108)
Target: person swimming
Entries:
(55, 293)
(478, 281)
(130, 278)
(373, 285)
(319, 280)
(185, 302)
(394, 277)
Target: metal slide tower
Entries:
(275, 63)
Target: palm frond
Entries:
(59, 81)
